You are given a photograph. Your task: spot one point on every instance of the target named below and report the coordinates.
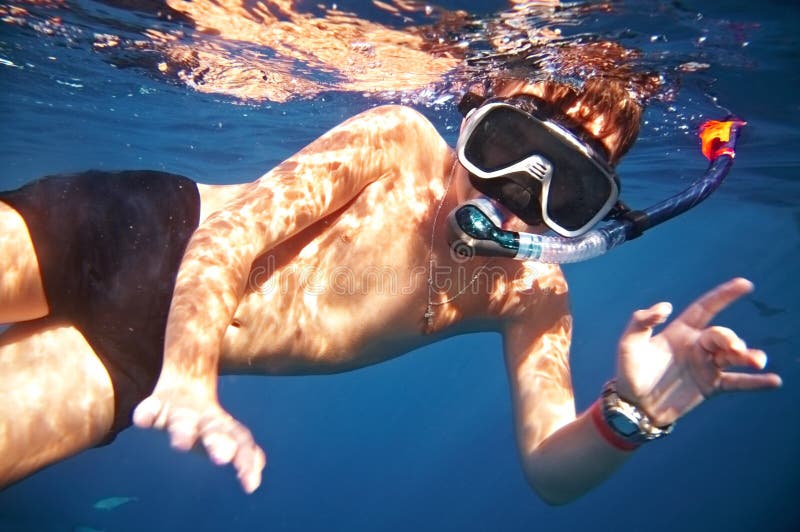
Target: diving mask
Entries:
(535, 167)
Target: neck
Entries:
(454, 279)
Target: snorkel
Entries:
(476, 225)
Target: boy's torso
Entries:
(352, 290)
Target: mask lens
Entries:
(502, 138)
(575, 197)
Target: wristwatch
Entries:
(627, 420)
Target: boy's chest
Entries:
(335, 295)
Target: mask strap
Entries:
(638, 219)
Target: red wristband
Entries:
(608, 434)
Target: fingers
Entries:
(145, 414)
(249, 464)
(226, 440)
(649, 318)
(180, 423)
(218, 440)
(182, 427)
(703, 310)
(726, 349)
(742, 382)
(642, 322)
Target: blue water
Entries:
(425, 442)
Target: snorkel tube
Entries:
(476, 225)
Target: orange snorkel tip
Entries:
(715, 137)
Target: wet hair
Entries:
(599, 97)
(595, 79)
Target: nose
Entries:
(540, 168)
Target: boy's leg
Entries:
(56, 398)
(21, 291)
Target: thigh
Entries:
(21, 291)
(56, 397)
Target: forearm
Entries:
(571, 461)
(207, 292)
(563, 454)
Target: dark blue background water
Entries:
(425, 442)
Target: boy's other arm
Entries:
(665, 375)
(562, 454)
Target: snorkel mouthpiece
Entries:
(471, 224)
(475, 224)
(478, 223)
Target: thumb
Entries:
(640, 328)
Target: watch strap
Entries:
(609, 434)
(616, 410)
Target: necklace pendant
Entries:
(429, 316)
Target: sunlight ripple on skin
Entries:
(45, 402)
(552, 366)
(20, 257)
(332, 267)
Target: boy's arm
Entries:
(316, 182)
(665, 375)
(562, 454)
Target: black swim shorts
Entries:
(109, 246)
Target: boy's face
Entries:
(583, 187)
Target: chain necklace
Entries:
(429, 314)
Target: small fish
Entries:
(766, 310)
(109, 503)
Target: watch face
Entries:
(623, 425)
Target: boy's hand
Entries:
(669, 374)
(191, 417)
